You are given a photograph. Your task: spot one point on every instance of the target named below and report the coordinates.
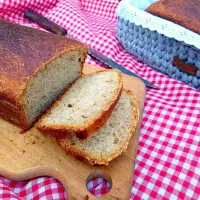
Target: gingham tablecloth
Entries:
(168, 159)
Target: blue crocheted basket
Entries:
(167, 55)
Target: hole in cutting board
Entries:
(99, 183)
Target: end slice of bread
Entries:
(84, 107)
(112, 139)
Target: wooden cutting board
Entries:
(28, 155)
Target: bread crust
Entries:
(10, 113)
(184, 13)
(94, 160)
(82, 132)
(25, 52)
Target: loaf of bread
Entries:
(112, 139)
(181, 12)
(84, 107)
(35, 68)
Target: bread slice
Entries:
(112, 139)
(85, 106)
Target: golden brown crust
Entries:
(184, 13)
(82, 132)
(15, 121)
(11, 113)
(94, 160)
(24, 53)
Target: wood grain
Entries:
(28, 155)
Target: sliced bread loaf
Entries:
(109, 141)
(35, 68)
(85, 106)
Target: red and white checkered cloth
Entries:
(168, 160)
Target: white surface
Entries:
(142, 4)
